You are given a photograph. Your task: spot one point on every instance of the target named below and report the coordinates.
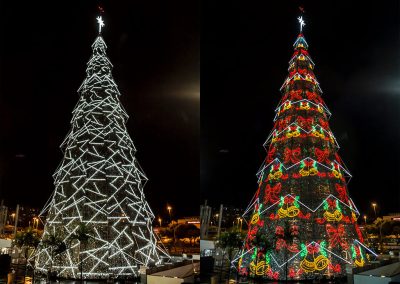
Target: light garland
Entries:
(99, 183)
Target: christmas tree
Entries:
(303, 223)
(98, 187)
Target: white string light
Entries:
(99, 183)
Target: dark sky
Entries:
(245, 50)
(154, 47)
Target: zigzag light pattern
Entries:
(100, 183)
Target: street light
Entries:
(159, 220)
(365, 219)
(169, 208)
(13, 216)
(374, 205)
(35, 221)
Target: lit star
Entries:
(100, 22)
(302, 23)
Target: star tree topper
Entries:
(302, 23)
(100, 22)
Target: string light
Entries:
(99, 183)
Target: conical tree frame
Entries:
(302, 223)
(99, 183)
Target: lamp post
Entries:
(159, 220)
(169, 208)
(365, 219)
(374, 206)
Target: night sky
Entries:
(155, 49)
(245, 50)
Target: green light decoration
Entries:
(338, 206)
(254, 254)
(267, 258)
(303, 251)
(353, 252)
(282, 201)
(296, 201)
(322, 250)
(326, 206)
(302, 165)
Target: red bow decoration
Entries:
(331, 203)
(280, 244)
(302, 71)
(273, 275)
(294, 230)
(279, 231)
(305, 52)
(252, 232)
(292, 155)
(322, 155)
(305, 122)
(288, 199)
(271, 153)
(341, 190)
(308, 163)
(243, 271)
(359, 234)
(312, 96)
(335, 236)
(296, 95)
(293, 248)
(320, 220)
(335, 268)
(313, 249)
(276, 167)
(272, 193)
(293, 273)
(323, 123)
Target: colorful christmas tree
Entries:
(303, 223)
(98, 187)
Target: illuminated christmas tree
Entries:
(99, 184)
(303, 224)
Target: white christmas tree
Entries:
(98, 185)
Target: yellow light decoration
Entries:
(359, 263)
(304, 106)
(259, 268)
(354, 216)
(297, 77)
(255, 218)
(313, 171)
(290, 212)
(307, 266)
(336, 174)
(304, 173)
(302, 57)
(287, 105)
(277, 175)
(320, 109)
(319, 263)
(335, 216)
(296, 133)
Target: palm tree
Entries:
(82, 235)
(27, 240)
(229, 242)
(56, 245)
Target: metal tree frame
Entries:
(99, 183)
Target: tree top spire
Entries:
(100, 22)
(301, 22)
